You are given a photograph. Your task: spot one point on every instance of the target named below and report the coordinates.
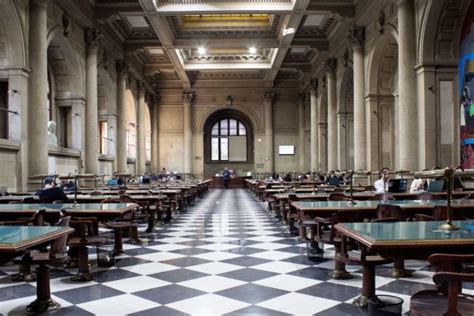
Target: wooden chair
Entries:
(338, 196)
(327, 234)
(125, 223)
(440, 213)
(423, 218)
(427, 196)
(393, 213)
(86, 234)
(382, 197)
(448, 298)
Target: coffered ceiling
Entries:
(189, 40)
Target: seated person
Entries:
(276, 177)
(381, 185)
(51, 193)
(287, 177)
(332, 179)
(418, 185)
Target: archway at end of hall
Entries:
(228, 142)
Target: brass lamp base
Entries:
(351, 203)
(449, 226)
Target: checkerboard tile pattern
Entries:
(225, 255)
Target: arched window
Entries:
(228, 141)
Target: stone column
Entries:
(407, 120)
(314, 125)
(357, 38)
(331, 66)
(155, 140)
(141, 150)
(38, 89)
(188, 98)
(122, 73)
(269, 99)
(322, 130)
(92, 38)
(301, 142)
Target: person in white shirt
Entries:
(418, 185)
(381, 185)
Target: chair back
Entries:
(390, 211)
(338, 196)
(427, 196)
(111, 200)
(440, 213)
(351, 216)
(383, 197)
(58, 250)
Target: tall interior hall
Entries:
(249, 157)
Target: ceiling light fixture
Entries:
(201, 50)
(252, 50)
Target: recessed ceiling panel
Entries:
(137, 21)
(314, 20)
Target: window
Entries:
(3, 109)
(103, 137)
(229, 141)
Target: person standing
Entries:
(226, 175)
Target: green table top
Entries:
(308, 205)
(12, 236)
(409, 234)
(64, 206)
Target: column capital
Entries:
(187, 97)
(345, 58)
(269, 97)
(141, 86)
(43, 3)
(313, 85)
(381, 21)
(155, 99)
(301, 98)
(330, 65)
(92, 37)
(121, 67)
(356, 36)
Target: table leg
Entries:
(118, 242)
(340, 272)
(83, 273)
(368, 286)
(151, 220)
(399, 270)
(43, 300)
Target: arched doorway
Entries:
(228, 142)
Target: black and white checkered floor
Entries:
(225, 255)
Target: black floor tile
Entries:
(251, 293)
(169, 294)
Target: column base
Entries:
(24, 277)
(361, 301)
(83, 277)
(400, 273)
(340, 275)
(38, 306)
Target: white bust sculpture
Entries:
(52, 139)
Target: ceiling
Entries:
(189, 40)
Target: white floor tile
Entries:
(218, 247)
(135, 284)
(269, 246)
(298, 304)
(168, 247)
(279, 267)
(160, 256)
(118, 305)
(150, 268)
(215, 267)
(209, 304)
(287, 282)
(217, 256)
(273, 255)
(212, 283)
(356, 281)
(175, 239)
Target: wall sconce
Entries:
(431, 88)
(12, 91)
(228, 101)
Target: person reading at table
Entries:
(418, 185)
(381, 185)
(51, 192)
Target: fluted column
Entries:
(301, 144)
(141, 152)
(269, 99)
(188, 98)
(92, 38)
(322, 129)
(38, 89)
(314, 125)
(122, 73)
(357, 38)
(155, 137)
(331, 66)
(407, 119)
